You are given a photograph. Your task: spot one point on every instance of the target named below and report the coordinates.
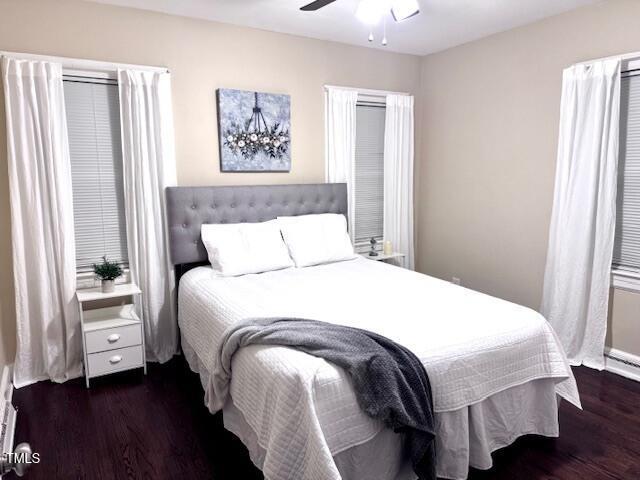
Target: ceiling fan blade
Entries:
(317, 5)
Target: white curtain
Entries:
(340, 142)
(47, 317)
(398, 175)
(149, 166)
(576, 284)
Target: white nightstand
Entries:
(112, 337)
(383, 258)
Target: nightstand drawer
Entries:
(111, 338)
(114, 360)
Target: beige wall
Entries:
(487, 158)
(202, 56)
(624, 321)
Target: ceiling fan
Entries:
(373, 9)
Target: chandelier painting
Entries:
(254, 131)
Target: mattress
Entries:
(303, 409)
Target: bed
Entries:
(496, 368)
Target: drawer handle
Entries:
(115, 359)
(113, 338)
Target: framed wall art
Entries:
(255, 131)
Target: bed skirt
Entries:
(464, 438)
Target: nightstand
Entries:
(383, 258)
(112, 337)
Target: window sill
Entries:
(625, 280)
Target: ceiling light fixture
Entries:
(371, 12)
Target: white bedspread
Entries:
(302, 408)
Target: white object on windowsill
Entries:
(112, 337)
(387, 247)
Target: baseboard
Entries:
(622, 363)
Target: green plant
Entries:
(107, 270)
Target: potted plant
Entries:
(107, 272)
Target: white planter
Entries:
(108, 286)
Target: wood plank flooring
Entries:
(156, 427)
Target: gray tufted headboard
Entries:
(189, 207)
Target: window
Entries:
(626, 252)
(93, 122)
(369, 173)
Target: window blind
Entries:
(626, 252)
(369, 173)
(93, 122)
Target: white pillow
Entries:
(316, 239)
(241, 248)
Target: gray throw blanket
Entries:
(390, 382)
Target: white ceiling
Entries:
(441, 23)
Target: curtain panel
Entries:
(340, 142)
(578, 270)
(149, 167)
(398, 175)
(49, 344)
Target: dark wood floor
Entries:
(156, 427)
